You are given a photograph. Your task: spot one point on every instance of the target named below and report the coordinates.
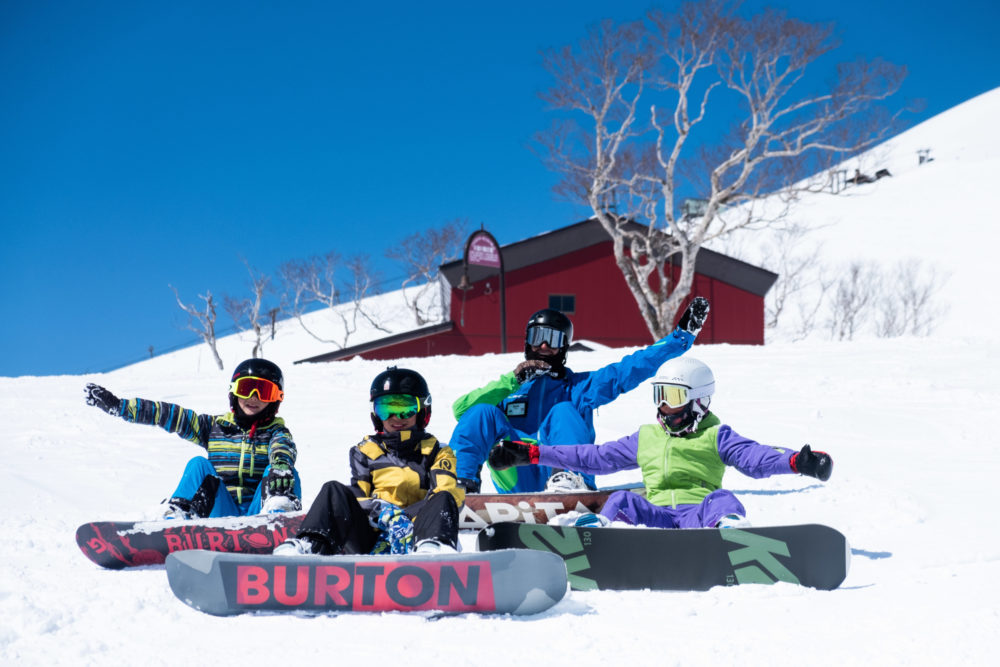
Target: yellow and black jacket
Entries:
(403, 468)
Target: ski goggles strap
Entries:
(267, 391)
(403, 406)
(551, 337)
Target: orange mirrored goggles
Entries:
(267, 391)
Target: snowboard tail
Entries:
(510, 581)
(119, 544)
(484, 509)
(689, 559)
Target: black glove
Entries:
(509, 453)
(814, 464)
(280, 479)
(526, 370)
(694, 317)
(102, 398)
(470, 485)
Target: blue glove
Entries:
(397, 531)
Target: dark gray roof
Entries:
(550, 245)
(406, 336)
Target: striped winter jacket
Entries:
(394, 468)
(239, 456)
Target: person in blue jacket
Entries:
(544, 401)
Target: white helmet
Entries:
(686, 382)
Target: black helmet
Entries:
(401, 381)
(261, 368)
(547, 321)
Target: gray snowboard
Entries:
(510, 581)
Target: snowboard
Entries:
(513, 581)
(120, 544)
(484, 509)
(614, 558)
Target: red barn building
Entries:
(572, 269)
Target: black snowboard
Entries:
(120, 544)
(693, 559)
(504, 582)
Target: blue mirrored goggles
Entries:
(402, 406)
(554, 338)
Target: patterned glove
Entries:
(694, 317)
(397, 531)
(100, 397)
(813, 464)
(509, 453)
(280, 479)
(530, 369)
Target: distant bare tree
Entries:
(645, 87)
(910, 308)
(205, 319)
(853, 297)
(362, 282)
(315, 281)
(312, 281)
(251, 314)
(422, 253)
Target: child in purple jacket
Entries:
(682, 458)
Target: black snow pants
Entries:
(338, 523)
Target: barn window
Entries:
(564, 303)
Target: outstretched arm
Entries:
(586, 458)
(602, 386)
(186, 423)
(756, 460)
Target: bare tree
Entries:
(312, 281)
(362, 282)
(251, 314)
(205, 319)
(853, 298)
(644, 89)
(422, 253)
(316, 280)
(910, 308)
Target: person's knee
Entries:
(199, 464)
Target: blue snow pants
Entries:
(195, 472)
(482, 426)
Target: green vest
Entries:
(680, 470)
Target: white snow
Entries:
(908, 422)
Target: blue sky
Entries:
(155, 143)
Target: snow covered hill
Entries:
(907, 421)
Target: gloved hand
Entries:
(694, 317)
(103, 399)
(813, 464)
(530, 368)
(470, 485)
(509, 453)
(280, 479)
(397, 529)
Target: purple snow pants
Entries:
(636, 510)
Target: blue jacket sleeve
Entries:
(750, 457)
(610, 457)
(600, 387)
